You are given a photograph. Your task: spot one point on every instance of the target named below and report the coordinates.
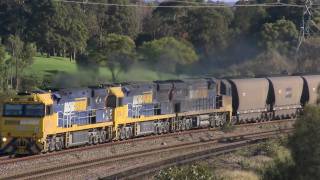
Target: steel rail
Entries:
(7, 160)
(245, 139)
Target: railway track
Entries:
(166, 156)
(4, 158)
(149, 168)
(9, 159)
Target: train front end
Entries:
(22, 123)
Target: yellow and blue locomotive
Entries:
(48, 121)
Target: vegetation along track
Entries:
(155, 158)
(227, 147)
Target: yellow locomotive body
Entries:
(19, 129)
(36, 130)
(128, 126)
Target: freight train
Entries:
(38, 122)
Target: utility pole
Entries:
(306, 21)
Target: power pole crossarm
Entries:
(305, 24)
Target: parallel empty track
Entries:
(155, 158)
(7, 159)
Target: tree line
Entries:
(238, 40)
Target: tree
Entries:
(40, 16)
(309, 56)
(164, 54)
(281, 35)
(78, 32)
(2, 54)
(68, 32)
(248, 21)
(13, 18)
(121, 20)
(166, 22)
(15, 45)
(305, 144)
(208, 29)
(290, 13)
(21, 56)
(265, 63)
(2, 66)
(101, 20)
(117, 52)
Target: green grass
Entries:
(52, 66)
(46, 66)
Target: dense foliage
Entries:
(167, 51)
(304, 145)
(197, 40)
(199, 172)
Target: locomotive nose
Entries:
(21, 146)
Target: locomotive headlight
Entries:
(4, 139)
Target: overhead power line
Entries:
(202, 5)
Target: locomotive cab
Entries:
(22, 122)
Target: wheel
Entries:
(167, 126)
(128, 133)
(234, 120)
(217, 122)
(183, 125)
(51, 146)
(102, 138)
(155, 129)
(212, 122)
(58, 145)
(95, 139)
(122, 134)
(188, 126)
(221, 123)
(90, 142)
(158, 130)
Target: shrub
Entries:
(191, 172)
(227, 127)
(305, 144)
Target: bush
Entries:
(279, 170)
(282, 166)
(5, 96)
(30, 82)
(227, 127)
(192, 172)
(305, 150)
(305, 144)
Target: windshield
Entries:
(23, 110)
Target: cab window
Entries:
(13, 110)
(23, 110)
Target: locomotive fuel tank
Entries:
(287, 92)
(249, 98)
(311, 85)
